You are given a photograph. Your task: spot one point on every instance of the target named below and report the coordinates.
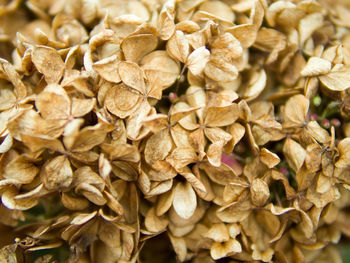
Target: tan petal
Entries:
(20, 169)
(164, 202)
(20, 89)
(108, 68)
(156, 123)
(237, 132)
(219, 9)
(158, 146)
(155, 223)
(57, 174)
(222, 116)
(132, 75)
(214, 153)
(179, 246)
(221, 71)
(91, 193)
(337, 80)
(166, 23)
(218, 232)
(160, 69)
(256, 85)
(49, 63)
(53, 102)
(308, 25)
(83, 218)
(197, 60)
(185, 200)
(121, 102)
(295, 111)
(316, 66)
(217, 135)
(74, 203)
(220, 250)
(181, 157)
(226, 46)
(294, 153)
(269, 158)
(8, 255)
(8, 200)
(90, 136)
(81, 107)
(178, 46)
(222, 175)
(136, 46)
(259, 192)
(245, 34)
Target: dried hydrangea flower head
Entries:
(162, 130)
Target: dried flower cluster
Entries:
(144, 131)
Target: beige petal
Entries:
(136, 46)
(260, 192)
(295, 111)
(220, 71)
(53, 102)
(178, 46)
(108, 68)
(222, 175)
(74, 203)
(197, 60)
(337, 80)
(164, 202)
(245, 34)
(308, 25)
(256, 85)
(294, 153)
(49, 63)
(121, 102)
(57, 174)
(269, 158)
(226, 46)
(155, 223)
(8, 200)
(179, 246)
(185, 200)
(218, 232)
(160, 69)
(83, 218)
(222, 116)
(90, 136)
(81, 107)
(20, 169)
(166, 23)
(316, 66)
(158, 146)
(220, 250)
(91, 193)
(181, 157)
(10, 71)
(132, 75)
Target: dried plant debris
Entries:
(174, 130)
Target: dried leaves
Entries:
(222, 124)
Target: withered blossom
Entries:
(162, 130)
